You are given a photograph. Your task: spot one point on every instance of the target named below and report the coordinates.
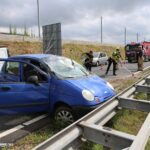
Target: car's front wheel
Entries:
(64, 114)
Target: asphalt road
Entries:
(124, 70)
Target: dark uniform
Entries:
(88, 61)
(140, 59)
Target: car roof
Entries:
(100, 53)
(33, 56)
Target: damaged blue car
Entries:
(50, 83)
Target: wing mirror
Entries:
(33, 79)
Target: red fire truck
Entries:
(131, 51)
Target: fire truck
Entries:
(131, 51)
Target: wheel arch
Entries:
(60, 103)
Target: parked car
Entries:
(99, 58)
(55, 84)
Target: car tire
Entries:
(64, 114)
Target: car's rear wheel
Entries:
(64, 114)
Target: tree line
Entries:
(13, 31)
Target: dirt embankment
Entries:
(71, 50)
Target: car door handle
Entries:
(5, 88)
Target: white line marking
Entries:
(18, 127)
(11, 130)
(34, 120)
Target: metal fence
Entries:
(91, 127)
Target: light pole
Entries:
(38, 17)
(125, 36)
(137, 36)
(101, 30)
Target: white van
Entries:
(3, 54)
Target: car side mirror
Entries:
(33, 79)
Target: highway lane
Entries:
(124, 70)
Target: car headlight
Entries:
(88, 95)
(110, 86)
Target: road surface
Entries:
(124, 70)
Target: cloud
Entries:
(81, 19)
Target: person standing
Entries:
(88, 61)
(140, 59)
(112, 59)
(118, 57)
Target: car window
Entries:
(28, 71)
(38, 64)
(103, 55)
(12, 68)
(95, 54)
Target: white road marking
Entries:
(7, 132)
(34, 120)
(18, 127)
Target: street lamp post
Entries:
(38, 17)
(101, 30)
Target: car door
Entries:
(17, 95)
(102, 58)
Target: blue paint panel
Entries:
(17, 96)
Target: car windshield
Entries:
(132, 47)
(95, 54)
(65, 67)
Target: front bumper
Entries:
(80, 111)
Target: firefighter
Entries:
(140, 58)
(112, 59)
(88, 61)
(118, 57)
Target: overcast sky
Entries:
(81, 18)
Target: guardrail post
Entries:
(148, 83)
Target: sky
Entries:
(81, 19)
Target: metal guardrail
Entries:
(91, 127)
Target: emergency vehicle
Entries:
(131, 51)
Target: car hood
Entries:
(96, 85)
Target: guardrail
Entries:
(91, 127)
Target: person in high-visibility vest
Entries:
(118, 57)
(112, 59)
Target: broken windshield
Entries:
(65, 67)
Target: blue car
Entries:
(54, 84)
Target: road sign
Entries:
(52, 39)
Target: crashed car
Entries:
(55, 84)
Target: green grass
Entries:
(37, 137)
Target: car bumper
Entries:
(80, 111)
